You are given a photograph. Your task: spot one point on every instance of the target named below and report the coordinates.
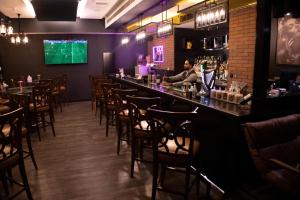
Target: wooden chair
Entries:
(63, 88)
(98, 95)
(122, 114)
(92, 80)
(23, 101)
(11, 152)
(55, 92)
(140, 128)
(109, 102)
(42, 106)
(173, 144)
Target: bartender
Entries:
(188, 75)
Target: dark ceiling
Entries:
(65, 10)
(55, 10)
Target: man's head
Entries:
(188, 64)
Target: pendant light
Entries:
(6, 28)
(165, 27)
(141, 33)
(20, 37)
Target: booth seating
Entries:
(274, 146)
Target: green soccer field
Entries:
(65, 52)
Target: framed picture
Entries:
(158, 54)
(288, 41)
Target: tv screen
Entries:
(65, 51)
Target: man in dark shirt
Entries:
(188, 75)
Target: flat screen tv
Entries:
(65, 51)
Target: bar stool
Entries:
(92, 80)
(140, 128)
(98, 95)
(122, 114)
(173, 144)
(11, 151)
(42, 106)
(23, 101)
(109, 102)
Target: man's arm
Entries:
(175, 78)
(191, 78)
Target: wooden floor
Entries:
(81, 163)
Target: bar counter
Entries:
(229, 109)
(224, 155)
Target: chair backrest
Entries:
(138, 108)
(41, 96)
(175, 127)
(120, 97)
(97, 90)
(21, 101)
(275, 138)
(10, 137)
(107, 90)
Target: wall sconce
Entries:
(125, 40)
(211, 15)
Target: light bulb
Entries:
(125, 40)
(10, 30)
(25, 39)
(18, 39)
(2, 29)
(13, 40)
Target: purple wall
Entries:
(126, 55)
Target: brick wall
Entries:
(242, 37)
(168, 45)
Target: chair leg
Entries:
(28, 140)
(187, 182)
(133, 145)
(197, 185)
(37, 126)
(162, 175)
(43, 120)
(4, 183)
(107, 121)
(119, 133)
(154, 180)
(24, 178)
(51, 123)
(101, 110)
(96, 107)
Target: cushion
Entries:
(4, 109)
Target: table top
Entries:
(19, 91)
(214, 104)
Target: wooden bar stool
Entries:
(173, 145)
(122, 114)
(109, 102)
(42, 106)
(140, 128)
(23, 101)
(11, 151)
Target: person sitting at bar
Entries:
(188, 75)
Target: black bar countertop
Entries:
(227, 108)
